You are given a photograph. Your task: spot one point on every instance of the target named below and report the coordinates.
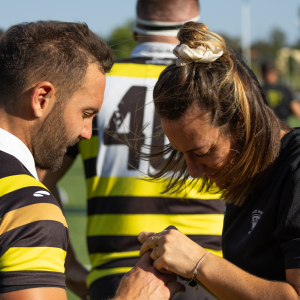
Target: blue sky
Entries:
(102, 16)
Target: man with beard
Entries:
(52, 81)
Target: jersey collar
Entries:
(14, 146)
(154, 50)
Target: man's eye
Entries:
(203, 155)
(86, 115)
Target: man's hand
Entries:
(144, 282)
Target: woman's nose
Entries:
(195, 168)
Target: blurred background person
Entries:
(279, 96)
(119, 204)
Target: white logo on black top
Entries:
(255, 218)
(41, 194)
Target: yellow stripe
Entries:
(96, 274)
(99, 259)
(127, 186)
(33, 259)
(31, 213)
(89, 148)
(136, 70)
(12, 183)
(210, 224)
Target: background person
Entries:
(119, 204)
(279, 96)
(221, 128)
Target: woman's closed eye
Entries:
(203, 155)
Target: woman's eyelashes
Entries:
(203, 155)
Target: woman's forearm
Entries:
(229, 282)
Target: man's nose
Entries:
(86, 132)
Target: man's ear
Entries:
(42, 98)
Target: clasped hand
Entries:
(172, 251)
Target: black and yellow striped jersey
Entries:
(33, 231)
(120, 205)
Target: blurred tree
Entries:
(121, 40)
(234, 42)
(297, 45)
(1, 32)
(277, 41)
(261, 49)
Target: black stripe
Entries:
(13, 288)
(158, 28)
(142, 60)
(90, 167)
(118, 263)
(31, 278)
(213, 242)
(107, 244)
(95, 126)
(153, 205)
(23, 197)
(36, 234)
(105, 287)
(11, 166)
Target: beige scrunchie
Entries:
(187, 55)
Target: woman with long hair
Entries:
(222, 130)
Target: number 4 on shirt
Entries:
(133, 103)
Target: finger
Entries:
(160, 265)
(146, 258)
(164, 271)
(144, 235)
(176, 287)
(154, 254)
(151, 243)
(166, 276)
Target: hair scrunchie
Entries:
(186, 55)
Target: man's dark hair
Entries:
(166, 10)
(58, 52)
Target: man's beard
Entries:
(50, 141)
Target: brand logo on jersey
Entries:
(255, 218)
(41, 194)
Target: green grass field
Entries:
(74, 184)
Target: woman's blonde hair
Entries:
(229, 91)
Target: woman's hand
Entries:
(172, 251)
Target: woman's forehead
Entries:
(193, 116)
